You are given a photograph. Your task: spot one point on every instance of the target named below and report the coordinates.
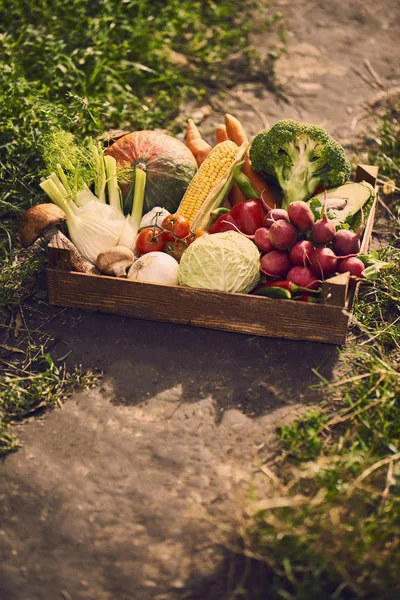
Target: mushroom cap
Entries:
(36, 220)
(115, 260)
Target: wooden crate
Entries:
(255, 315)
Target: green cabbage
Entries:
(228, 262)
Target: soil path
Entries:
(107, 498)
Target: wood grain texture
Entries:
(200, 308)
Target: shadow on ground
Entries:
(145, 359)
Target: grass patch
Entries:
(90, 66)
(87, 67)
(329, 524)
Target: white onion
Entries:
(155, 267)
(154, 217)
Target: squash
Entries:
(169, 165)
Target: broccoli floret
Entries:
(301, 157)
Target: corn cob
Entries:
(214, 169)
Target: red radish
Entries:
(352, 264)
(301, 252)
(323, 262)
(275, 214)
(303, 277)
(282, 235)
(324, 230)
(301, 215)
(275, 264)
(261, 239)
(347, 242)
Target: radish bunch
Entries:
(297, 247)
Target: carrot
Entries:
(221, 135)
(199, 147)
(259, 184)
(235, 195)
(235, 130)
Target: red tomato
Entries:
(196, 234)
(177, 226)
(176, 248)
(150, 239)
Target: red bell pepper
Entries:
(246, 216)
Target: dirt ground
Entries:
(112, 497)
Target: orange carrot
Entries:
(199, 147)
(221, 135)
(259, 184)
(235, 195)
(235, 130)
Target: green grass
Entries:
(336, 533)
(89, 66)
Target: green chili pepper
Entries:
(244, 183)
(222, 210)
(273, 292)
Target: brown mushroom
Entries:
(115, 261)
(39, 221)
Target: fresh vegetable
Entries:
(259, 184)
(211, 184)
(235, 129)
(226, 261)
(347, 241)
(196, 234)
(246, 216)
(323, 262)
(282, 235)
(168, 163)
(154, 217)
(301, 215)
(244, 184)
(300, 253)
(275, 264)
(199, 147)
(290, 285)
(306, 298)
(275, 214)
(150, 239)
(303, 277)
(115, 261)
(221, 135)
(323, 230)
(236, 133)
(273, 292)
(261, 240)
(93, 225)
(132, 221)
(301, 157)
(175, 226)
(37, 221)
(176, 248)
(351, 264)
(155, 267)
(344, 203)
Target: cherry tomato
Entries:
(150, 239)
(176, 248)
(177, 226)
(196, 234)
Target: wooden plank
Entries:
(334, 290)
(368, 173)
(200, 308)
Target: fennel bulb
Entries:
(95, 221)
